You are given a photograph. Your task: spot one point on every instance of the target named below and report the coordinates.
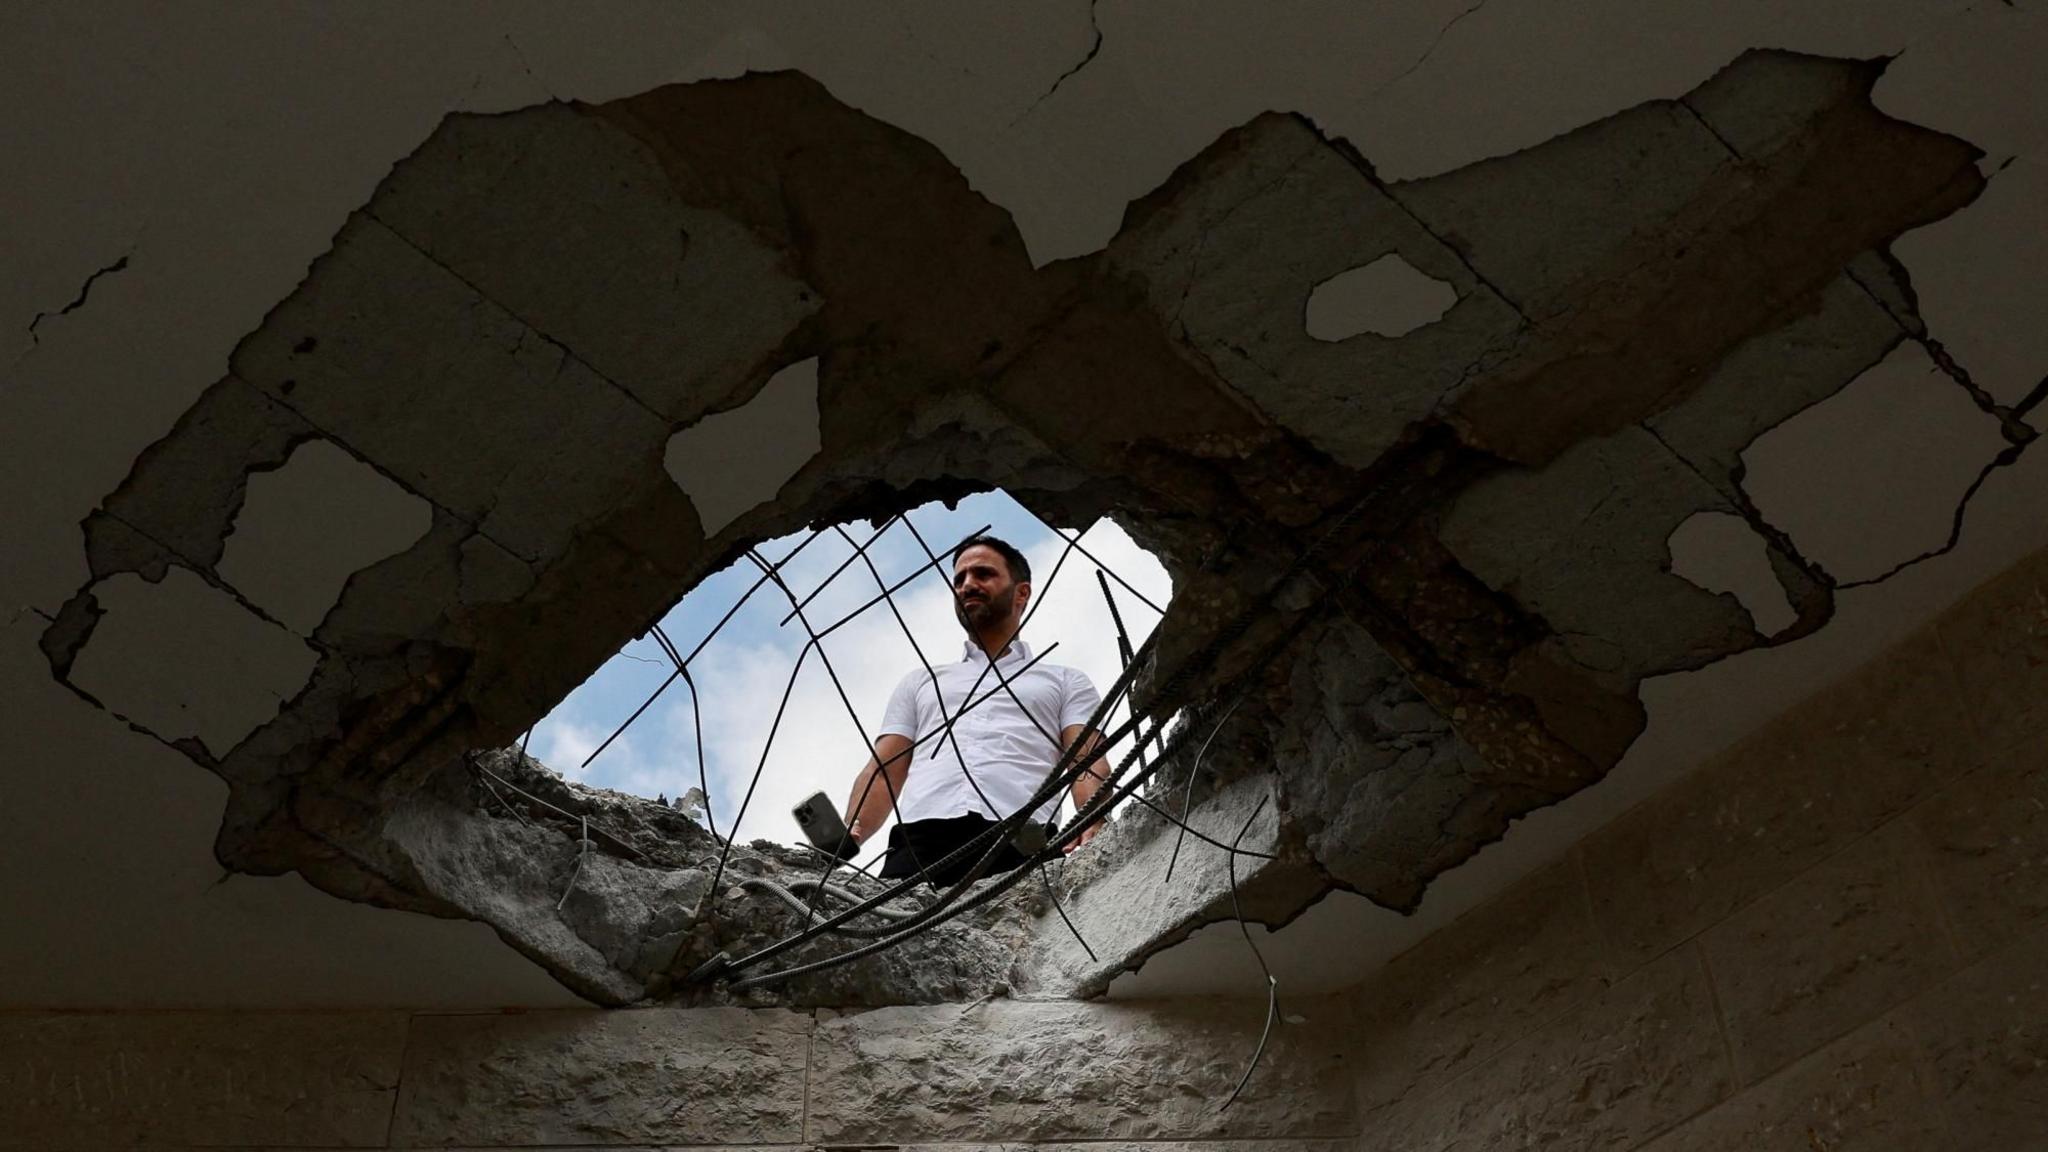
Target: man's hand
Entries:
(1086, 835)
(849, 844)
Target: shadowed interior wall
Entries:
(1834, 936)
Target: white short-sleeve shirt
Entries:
(1007, 748)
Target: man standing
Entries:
(951, 787)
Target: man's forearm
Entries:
(869, 805)
(1086, 785)
(1090, 781)
(874, 794)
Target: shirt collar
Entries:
(1018, 650)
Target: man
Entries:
(952, 786)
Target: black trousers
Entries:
(926, 842)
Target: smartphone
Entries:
(819, 819)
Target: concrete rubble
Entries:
(636, 916)
(1431, 569)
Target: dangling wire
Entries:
(1272, 985)
(1187, 797)
(582, 855)
(725, 849)
(696, 724)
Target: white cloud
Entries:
(564, 744)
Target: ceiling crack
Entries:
(21, 610)
(2016, 431)
(1094, 48)
(528, 67)
(1686, 104)
(1908, 323)
(1194, 270)
(207, 574)
(2011, 422)
(2009, 455)
(1434, 43)
(84, 291)
(484, 298)
(2034, 396)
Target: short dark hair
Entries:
(1020, 568)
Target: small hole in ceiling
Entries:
(1387, 297)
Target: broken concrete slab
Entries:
(619, 909)
(1642, 284)
(1775, 375)
(633, 917)
(184, 659)
(184, 490)
(1582, 544)
(386, 380)
(511, 875)
(1276, 189)
(488, 574)
(1120, 899)
(1608, 186)
(306, 527)
(1378, 781)
(537, 212)
(1496, 531)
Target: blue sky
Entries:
(742, 674)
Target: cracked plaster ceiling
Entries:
(1664, 308)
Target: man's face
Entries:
(983, 593)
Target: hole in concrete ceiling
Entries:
(741, 665)
(1388, 297)
(1722, 552)
(514, 290)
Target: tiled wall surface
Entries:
(1833, 938)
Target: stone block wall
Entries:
(1833, 937)
(996, 1072)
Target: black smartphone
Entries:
(820, 822)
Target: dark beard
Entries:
(974, 617)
